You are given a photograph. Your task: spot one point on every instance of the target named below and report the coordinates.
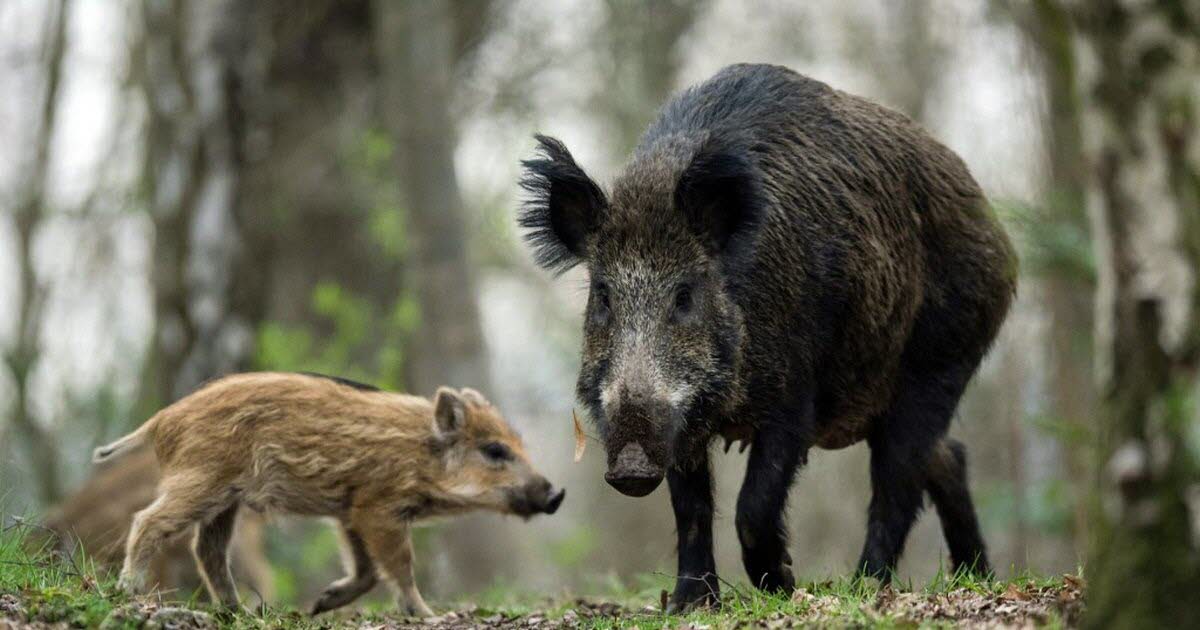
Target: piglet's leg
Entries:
(390, 544)
(211, 550)
(183, 501)
(360, 576)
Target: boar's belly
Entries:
(842, 432)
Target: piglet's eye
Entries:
(496, 452)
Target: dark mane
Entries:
(344, 381)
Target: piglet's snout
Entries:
(545, 498)
(538, 497)
(555, 500)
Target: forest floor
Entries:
(39, 590)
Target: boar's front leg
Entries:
(779, 448)
(691, 497)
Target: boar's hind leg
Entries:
(947, 486)
(360, 579)
(211, 550)
(903, 443)
(779, 448)
(692, 500)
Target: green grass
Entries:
(53, 588)
(56, 588)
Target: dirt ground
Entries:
(1016, 607)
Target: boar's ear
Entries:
(721, 195)
(449, 413)
(563, 207)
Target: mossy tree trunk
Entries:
(1141, 95)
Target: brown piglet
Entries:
(378, 462)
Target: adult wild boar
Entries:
(792, 265)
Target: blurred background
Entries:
(193, 188)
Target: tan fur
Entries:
(376, 461)
(97, 517)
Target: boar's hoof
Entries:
(695, 592)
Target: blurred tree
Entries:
(1142, 108)
(423, 50)
(191, 63)
(908, 54)
(317, 164)
(639, 47)
(1060, 253)
(40, 448)
(258, 115)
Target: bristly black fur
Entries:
(557, 187)
(851, 279)
(344, 381)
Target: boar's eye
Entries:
(496, 452)
(683, 299)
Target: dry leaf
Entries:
(1014, 593)
(580, 438)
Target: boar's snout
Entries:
(632, 473)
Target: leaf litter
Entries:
(1020, 605)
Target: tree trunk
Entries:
(196, 67)
(420, 46)
(1068, 278)
(641, 40)
(416, 45)
(40, 445)
(1142, 104)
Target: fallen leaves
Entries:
(1019, 604)
(580, 438)
(1014, 593)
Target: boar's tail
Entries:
(133, 440)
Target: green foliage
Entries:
(1053, 238)
(573, 550)
(370, 162)
(356, 340)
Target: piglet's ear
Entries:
(563, 207)
(474, 397)
(449, 413)
(720, 193)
